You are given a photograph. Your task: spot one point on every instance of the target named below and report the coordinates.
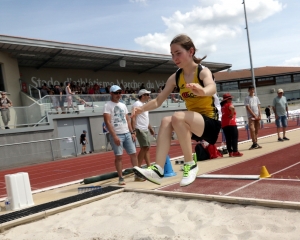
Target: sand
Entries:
(140, 216)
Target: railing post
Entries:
(155, 134)
(51, 149)
(75, 146)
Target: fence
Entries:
(36, 151)
(37, 113)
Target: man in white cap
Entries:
(140, 124)
(281, 111)
(120, 131)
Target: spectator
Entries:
(83, 102)
(141, 126)
(121, 135)
(202, 116)
(107, 89)
(142, 86)
(62, 98)
(229, 126)
(69, 94)
(44, 90)
(83, 88)
(54, 101)
(268, 113)
(83, 142)
(252, 105)
(96, 89)
(5, 104)
(102, 90)
(281, 111)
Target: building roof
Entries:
(49, 54)
(258, 72)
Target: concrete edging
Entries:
(47, 213)
(222, 199)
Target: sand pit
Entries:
(140, 216)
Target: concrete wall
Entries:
(11, 76)
(25, 154)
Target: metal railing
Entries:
(37, 151)
(37, 113)
(34, 92)
(238, 97)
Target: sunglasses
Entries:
(146, 94)
(117, 93)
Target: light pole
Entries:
(248, 37)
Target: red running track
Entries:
(283, 185)
(77, 168)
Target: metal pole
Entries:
(250, 56)
(75, 146)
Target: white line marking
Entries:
(241, 187)
(286, 168)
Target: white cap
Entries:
(143, 91)
(279, 90)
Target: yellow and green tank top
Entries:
(205, 105)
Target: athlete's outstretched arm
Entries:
(158, 101)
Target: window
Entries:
(245, 83)
(297, 78)
(283, 79)
(265, 81)
(229, 86)
(292, 95)
(218, 87)
(1, 79)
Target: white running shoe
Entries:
(189, 174)
(151, 174)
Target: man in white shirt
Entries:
(252, 105)
(121, 134)
(140, 124)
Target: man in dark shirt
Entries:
(83, 142)
(45, 90)
(268, 113)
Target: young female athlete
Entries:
(201, 120)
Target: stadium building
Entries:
(267, 81)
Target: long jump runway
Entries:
(283, 185)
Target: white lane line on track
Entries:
(278, 179)
(241, 187)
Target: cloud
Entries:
(293, 62)
(209, 23)
(138, 1)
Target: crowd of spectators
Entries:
(76, 92)
(87, 88)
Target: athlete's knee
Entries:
(177, 117)
(166, 121)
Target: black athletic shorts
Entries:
(211, 131)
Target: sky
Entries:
(217, 27)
